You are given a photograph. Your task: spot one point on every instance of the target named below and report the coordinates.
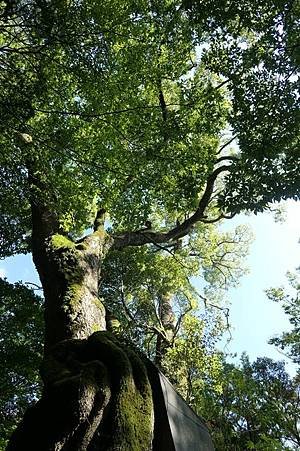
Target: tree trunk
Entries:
(97, 394)
(167, 319)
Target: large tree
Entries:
(117, 120)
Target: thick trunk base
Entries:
(97, 396)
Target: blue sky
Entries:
(274, 251)
(254, 318)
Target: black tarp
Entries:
(188, 431)
(176, 427)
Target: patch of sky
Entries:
(254, 317)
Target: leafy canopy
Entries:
(135, 280)
(126, 106)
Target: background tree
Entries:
(150, 289)
(21, 338)
(255, 406)
(120, 109)
(289, 341)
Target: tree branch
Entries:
(37, 287)
(227, 157)
(181, 316)
(139, 238)
(99, 220)
(218, 218)
(156, 331)
(163, 105)
(225, 310)
(226, 144)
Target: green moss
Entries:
(95, 327)
(134, 416)
(70, 263)
(67, 257)
(97, 302)
(103, 362)
(61, 242)
(100, 233)
(136, 406)
(74, 295)
(131, 419)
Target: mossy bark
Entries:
(75, 310)
(97, 394)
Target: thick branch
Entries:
(36, 287)
(99, 220)
(44, 221)
(227, 158)
(141, 237)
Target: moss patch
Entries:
(73, 295)
(70, 264)
(68, 259)
(129, 424)
(61, 242)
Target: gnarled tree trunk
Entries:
(97, 394)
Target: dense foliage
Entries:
(137, 282)
(163, 118)
(21, 338)
(125, 106)
(289, 341)
(256, 407)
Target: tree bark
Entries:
(96, 393)
(167, 319)
(97, 396)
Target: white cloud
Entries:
(2, 273)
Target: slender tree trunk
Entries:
(97, 394)
(167, 320)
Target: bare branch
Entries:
(127, 310)
(180, 318)
(218, 218)
(226, 144)
(209, 304)
(37, 287)
(222, 83)
(158, 331)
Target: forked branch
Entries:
(139, 238)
